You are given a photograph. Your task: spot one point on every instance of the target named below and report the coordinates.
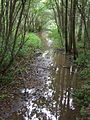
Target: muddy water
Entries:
(52, 98)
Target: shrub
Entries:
(33, 42)
(82, 96)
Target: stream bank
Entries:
(48, 84)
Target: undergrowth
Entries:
(57, 39)
(82, 95)
(32, 44)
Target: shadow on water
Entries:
(52, 100)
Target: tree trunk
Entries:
(66, 21)
(73, 29)
(70, 29)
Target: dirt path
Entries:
(52, 77)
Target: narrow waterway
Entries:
(52, 98)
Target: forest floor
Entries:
(43, 91)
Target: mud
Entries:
(49, 81)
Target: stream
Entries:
(52, 98)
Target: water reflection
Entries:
(53, 99)
(49, 41)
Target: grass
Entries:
(29, 48)
(33, 42)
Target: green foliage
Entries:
(5, 79)
(82, 96)
(82, 111)
(85, 73)
(55, 37)
(3, 96)
(33, 42)
(83, 60)
(80, 45)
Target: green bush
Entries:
(85, 73)
(82, 96)
(33, 42)
(83, 60)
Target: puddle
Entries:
(49, 42)
(52, 99)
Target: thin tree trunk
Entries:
(62, 11)
(70, 32)
(66, 21)
(73, 29)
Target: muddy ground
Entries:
(45, 87)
